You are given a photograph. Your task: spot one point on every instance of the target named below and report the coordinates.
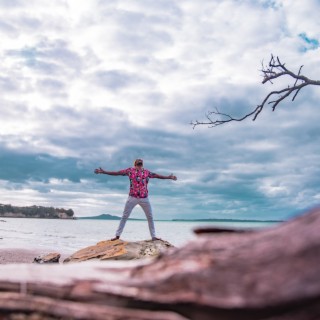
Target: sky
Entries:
(88, 84)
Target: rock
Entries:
(120, 250)
(48, 258)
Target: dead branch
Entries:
(272, 71)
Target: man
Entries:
(138, 194)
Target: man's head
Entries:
(138, 163)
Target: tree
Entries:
(69, 212)
(273, 70)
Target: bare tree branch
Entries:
(272, 71)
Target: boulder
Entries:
(48, 258)
(120, 250)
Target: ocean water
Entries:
(68, 236)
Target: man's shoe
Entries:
(155, 238)
(115, 238)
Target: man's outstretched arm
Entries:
(159, 176)
(111, 173)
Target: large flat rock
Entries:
(120, 250)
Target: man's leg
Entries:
(130, 204)
(146, 206)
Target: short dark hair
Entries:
(138, 162)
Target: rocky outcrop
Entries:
(120, 250)
(52, 257)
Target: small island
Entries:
(9, 211)
(105, 216)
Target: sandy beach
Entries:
(20, 255)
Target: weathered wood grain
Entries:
(269, 274)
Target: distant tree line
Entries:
(35, 211)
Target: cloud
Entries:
(89, 84)
(47, 56)
(10, 4)
(115, 80)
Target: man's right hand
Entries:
(97, 171)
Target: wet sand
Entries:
(20, 255)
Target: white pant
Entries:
(130, 204)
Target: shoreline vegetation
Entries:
(9, 211)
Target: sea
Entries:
(68, 236)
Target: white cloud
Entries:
(104, 82)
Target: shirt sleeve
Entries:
(151, 174)
(124, 172)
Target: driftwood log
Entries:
(269, 274)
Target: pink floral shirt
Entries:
(138, 181)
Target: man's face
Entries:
(139, 163)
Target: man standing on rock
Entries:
(138, 194)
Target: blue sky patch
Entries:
(310, 43)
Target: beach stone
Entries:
(48, 258)
(120, 250)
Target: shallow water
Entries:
(71, 235)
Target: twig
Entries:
(273, 70)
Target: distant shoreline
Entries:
(42, 218)
(116, 218)
(111, 217)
